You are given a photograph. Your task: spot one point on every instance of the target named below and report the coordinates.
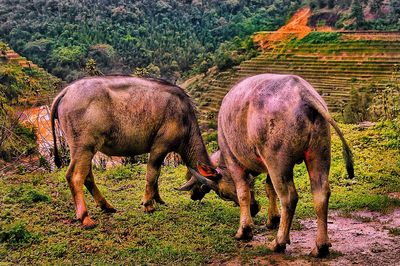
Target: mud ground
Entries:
(358, 238)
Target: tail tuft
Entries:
(348, 156)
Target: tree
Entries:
(331, 4)
(357, 13)
(376, 6)
(394, 6)
(91, 68)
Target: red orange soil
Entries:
(297, 26)
(361, 238)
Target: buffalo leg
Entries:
(282, 180)
(244, 196)
(76, 175)
(318, 164)
(151, 194)
(273, 211)
(98, 197)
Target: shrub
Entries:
(356, 109)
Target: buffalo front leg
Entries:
(95, 192)
(151, 194)
(76, 174)
(318, 164)
(273, 211)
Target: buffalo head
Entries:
(216, 178)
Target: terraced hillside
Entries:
(23, 82)
(353, 61)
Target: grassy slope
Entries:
(183, 232)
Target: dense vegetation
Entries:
(121, 35)
(20, 86)
(170, 38)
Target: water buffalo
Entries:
(267, 124)
(125, 116)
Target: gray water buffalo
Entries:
(267, 124)
(125, 116)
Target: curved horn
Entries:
(196, 177)
(203, 180)
(188, 185)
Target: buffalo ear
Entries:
(207, 171)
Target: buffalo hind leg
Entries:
(282, 179)
(318, 163)
(273, 211)
(95, 192)
(151, 194)
(76, 175)
(245, 231)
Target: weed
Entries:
(17, 234)
(58, 250)
(25, 194)
(33, 196)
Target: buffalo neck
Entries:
(194, 150)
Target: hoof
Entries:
(88, 223)
(159, 201)
(321, 252)
(244, 233)
(273, 222)
(108, 208)
(275, 247)
(149, 207)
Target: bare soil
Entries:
(362, 237)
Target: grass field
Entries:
(38, 226)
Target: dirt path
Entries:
(363, 238)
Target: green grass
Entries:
(38, 226)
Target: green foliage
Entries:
(370, 104)
(232, 53)
(319, 38)
(356, 109)
(16, 234)
(357, 13)
(91, 68)
(182, 232)
(3, 47)
(211, 140)
(390, 130)
(25, 194)
(126, 35)
(59, 250)
(15, 138)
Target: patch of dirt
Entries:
(359, 238)
(297, 26)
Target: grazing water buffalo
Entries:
(125, 116)
(269, 123)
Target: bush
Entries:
(15, 138)
(356, 109)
